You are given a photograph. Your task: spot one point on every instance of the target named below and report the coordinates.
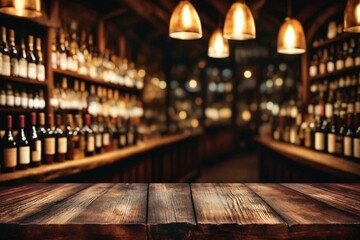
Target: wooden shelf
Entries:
(95, 81)
(53, 171)
(23, 80)
(331, 41)
(322, 161)
(355, 69)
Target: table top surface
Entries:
(180, 211)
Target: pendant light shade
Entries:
(352, 16)
(21, 8)
(218, 45)
(239, 23)
(185, 22)
(291, 37)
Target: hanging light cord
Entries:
(289, 8)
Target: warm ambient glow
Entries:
(352, 16)
(291, 38)
(247, 74)
(21, 8)
(185, 22)
(193, 83)
(239, 23)
(218, 45)
(182, 115)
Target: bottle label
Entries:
(339, 64)
(328, 110)
(319, 141)
(62, 145)
(106, 139)
(17, 100)
(339, 144)
(31, 103)
(69, 63)
(23, 68)
(2, 133)
(349, 62)
(36, 103)
(322, 68)
(3, 99)
(42, 103)
(357, 107)
(10, 100)
(10, 156)
(356, 143)
(98, 140)
(63, 61)
(14, 68)
(24, 155)
(313, 71)
(276, 135)
(357, 61)
(123, 140)
(293, 135)
(331, 143)
(131, 137)
(307, 141)
(32, 70)
(348, 146)
(330, 66)
(40, 70)
(24, 102)
(53, 60)
(50, 146)
(6, 65)
(36, 151)
(90, 145)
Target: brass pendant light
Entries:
(291, 37)
(21, 8)
(239, 23)
(352, 16)
(185, 22)
(218, 45)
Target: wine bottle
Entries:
(35, 143)
(40, 65)
(331, 133)
(50, 141)
(339, 147)
(14, 63)
(98, 136)
(61, 141)
(31, 58)
(71, 137)
(9, 149)
(106, 136)
(79, 138)
(356, 144)
(348, 135)
(23, 145)
(89, 137)
(4, 54)
(62, 52)
(10, 99)
(23, 64)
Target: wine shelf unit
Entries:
(345, 71)
(23, 80)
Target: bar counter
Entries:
(180, 211)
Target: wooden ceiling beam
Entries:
(113, 14)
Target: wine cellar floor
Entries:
(239, 167)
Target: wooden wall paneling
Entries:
(170, 212)
(305, 215)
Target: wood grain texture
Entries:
(306, 216)
(170, 212)
(233, 210)
(96, 211)
(336, 166)
(333, 195)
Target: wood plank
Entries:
(351, 187)
(234, 211)
(170, 214)
(306, 216)
(330, 194)
(25, 204)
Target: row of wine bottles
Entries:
(98, 101)
(337, 132)
(333, 29)
(79, 54)
(45, 143)
(21, 61)
(32, 99)
(335, 58)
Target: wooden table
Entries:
(180, 211)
